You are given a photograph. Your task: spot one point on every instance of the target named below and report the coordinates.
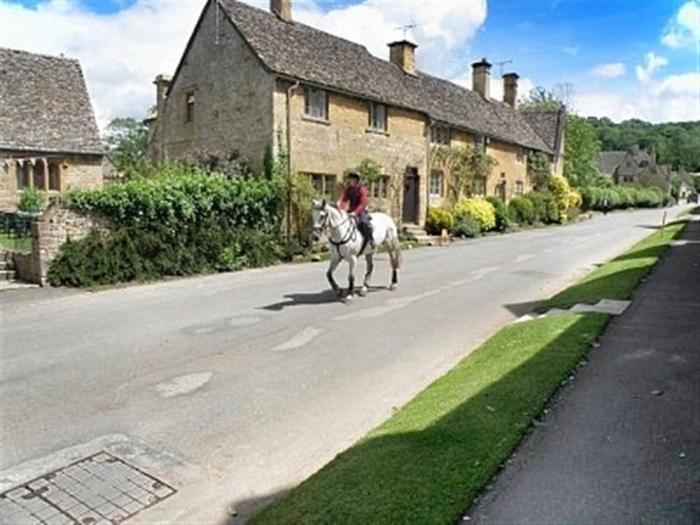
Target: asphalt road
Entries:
(234, 387)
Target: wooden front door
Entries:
(410, 195)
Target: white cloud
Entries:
(675, 98)
(652, 62)
(613, 70)
(683, 30)
(122, 52)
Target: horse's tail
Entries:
(394, 248)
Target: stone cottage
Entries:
(635, 166)
(48, 136)
(252, 81)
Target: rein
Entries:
(344, 240)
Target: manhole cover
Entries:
(99, 489)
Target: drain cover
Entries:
(99, 489)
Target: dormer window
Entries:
(644, 164)
(377, 117)
(316, 103)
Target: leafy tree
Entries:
(540, 99)
(369, 170)
(581, 151)
(127, 141)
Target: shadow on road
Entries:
(324, 297)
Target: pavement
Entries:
(232, 388)
(622, 443)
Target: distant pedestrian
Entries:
(606, 205)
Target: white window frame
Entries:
(436, 184)
(519, 188)
(316, 103)
(478, 187)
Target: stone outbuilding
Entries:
(636, 166)
(257, 81)
(49, 139)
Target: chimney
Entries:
(403, 54)
(162, 83)
(510, 89)
(282, 9)
(481, 78)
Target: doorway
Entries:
(410, 195)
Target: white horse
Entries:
(346, 242)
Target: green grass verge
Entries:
(433, 456)
(17, 244)
(619, 277)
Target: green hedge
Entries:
(545, 207)
(439, 219)
(182, 194)
(182, 221)
(621, 197)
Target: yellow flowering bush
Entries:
(480, 210)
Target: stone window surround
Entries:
(190, 102)
(324, 183)
(440, 135)
(380, 188)
(29, 165)
(316, 104)
(519, 188)
(375, 121)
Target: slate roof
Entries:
(301, 52)
(608, 161)
(549, 125)
(44, 105)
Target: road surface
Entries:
(234, 387)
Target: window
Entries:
(38, 175)
(316, 103)
(479, 187)
(520, 155)
(440, 135)
(377, 116)
(189, 107)
(54, 177)
(644, 164)
(380, 188)
(324, 184)
(519, 188)
(22, 176)
(437, 183)
(480, 141)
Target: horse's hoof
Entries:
(362, 292)
(348, 299)
(393, 286)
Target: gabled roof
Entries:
(44, 105)
(301, 52)
(608, 161)
(549, 125)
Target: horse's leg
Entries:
(352, 263)
(368, 274)
(335, 261)
(395, 258)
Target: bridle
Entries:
(327, 223)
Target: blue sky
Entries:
(623, 58)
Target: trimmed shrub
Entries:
(545, 207)
(439, 219)
(466, 226)
(521, 210)
(31, 201)
(501, 210)
(480, 210)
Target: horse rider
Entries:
(354, 201)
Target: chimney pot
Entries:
(162, 83)
(481, 78)
(403, 54)
(282, 9)
(510, 89)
